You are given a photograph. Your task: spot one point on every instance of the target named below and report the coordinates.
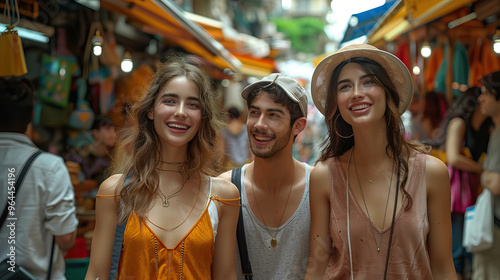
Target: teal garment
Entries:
(440, 79)
(460, 67)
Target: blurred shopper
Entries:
(467, 135)
(97, 160)
(379, 205)
(275, 186)
(486, 264)
(88, 168)
(44, 207)
(180, 221)
(432, 116)
(236, 149)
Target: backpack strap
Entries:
(240, 231)
(118, 244)
(19, 181)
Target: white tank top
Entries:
(288, 260)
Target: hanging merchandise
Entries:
(440, 79)
(432, 67)
(476, 69)
(82, 117)
(12, 61)
(485, 61)
(460, 69)
(55, 79)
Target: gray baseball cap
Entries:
(290, 86)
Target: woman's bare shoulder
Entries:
(224, 189)
(111, 185)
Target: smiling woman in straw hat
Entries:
(380, 207)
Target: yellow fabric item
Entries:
(12, 62)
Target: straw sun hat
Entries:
(396, 69)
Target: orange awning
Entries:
(198, 35)
(168, 21)
(409, 14)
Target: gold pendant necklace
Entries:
(185, 219)
(274, 241)
(165, 198)
(378, 241)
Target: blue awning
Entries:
(360, 24)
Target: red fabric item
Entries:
(79, 250)
(403, 53)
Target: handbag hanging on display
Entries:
(479, 223)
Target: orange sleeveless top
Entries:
(144, 256)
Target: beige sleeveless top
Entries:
(409, 258)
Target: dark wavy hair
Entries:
(138, 148)
(334, 145)
(16, 104)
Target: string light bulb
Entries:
(416, 70)
(97, 43)
(425, 50)
(127, 65)
(496, 41)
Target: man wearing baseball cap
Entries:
(274, 187)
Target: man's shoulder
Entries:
(49, 161)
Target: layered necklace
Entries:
(274, 241)
(348, 218)
(165, 198)
(185, 219)
(170, 163)
(378, 241)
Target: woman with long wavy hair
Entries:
(180, 221)
(467, 136)
(379, 204)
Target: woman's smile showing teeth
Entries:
(359, 107)
(177, 126)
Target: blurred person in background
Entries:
(433, 114)
(486, 264)
(45, 205)
(467, 135)
(236, 149)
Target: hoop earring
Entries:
(336, 132)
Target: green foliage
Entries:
(305, 33)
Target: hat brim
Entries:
(398, 73)
(247, 90)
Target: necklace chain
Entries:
(185, 219)
(378, 241)
(371, 181)
(172, 162)
(165, 198)
(273, 242)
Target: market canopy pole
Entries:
(216, 48)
